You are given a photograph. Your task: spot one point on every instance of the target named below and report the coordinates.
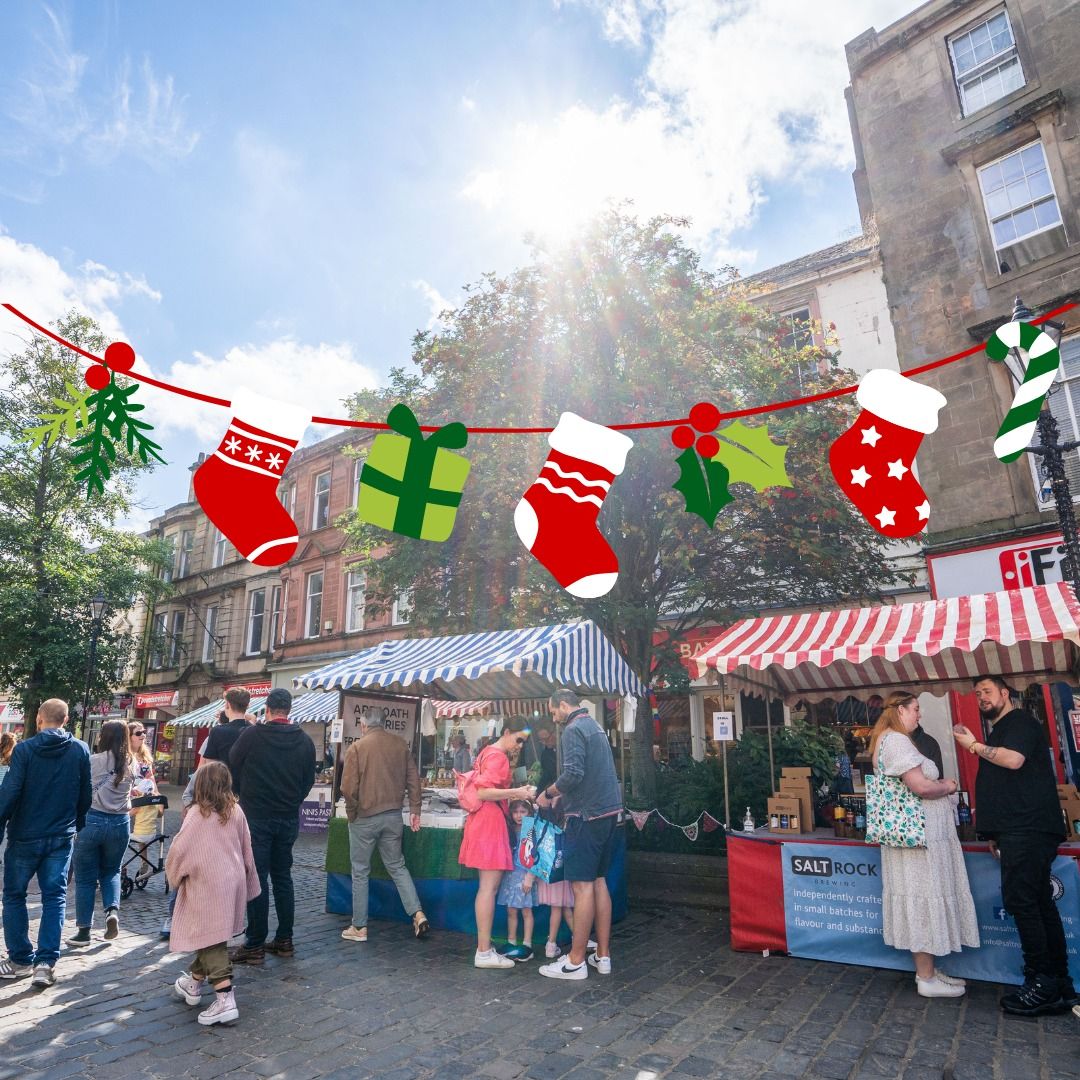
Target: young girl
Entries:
(211, 867)
(560, 899)
(144, 819)
(517, 891)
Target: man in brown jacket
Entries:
(377, 769)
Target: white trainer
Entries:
(601, 963)
(552, 951)
(937, 988)
(354, 933)
(43, 976)
(222, 1010)
(563, 969)
(949, 980)
(492, 959)
(190, 988)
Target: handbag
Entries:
(540, 849)
(894, 813)
(468, 784)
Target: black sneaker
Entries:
(1037, 997)
(81, 937)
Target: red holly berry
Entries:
(708, 446)
(705, 416)
(683, 437)
(120, 356)
(97, 377)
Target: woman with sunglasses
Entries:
(486, 844)
(144, 819)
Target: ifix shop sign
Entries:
(995, 567)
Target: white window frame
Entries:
(357, 468)
(317, 497)
(401, 613)
(1052, 197)
(355, 581)
(158, 642)
(187, 541)
(176, 635)
(309, 596)
(209, 639)
(277, 612)
(170, 561)
(219, 544)
(250, 622)
(983, 68)
(1065, 413)
(803, 326)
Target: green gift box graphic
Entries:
(412, 485)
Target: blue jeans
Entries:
(99, 850)
(272, 842)
(48, 859)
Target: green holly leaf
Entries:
(752, 457)
(72, 416)
(703, 483)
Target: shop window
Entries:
(1021, 207)
(985, 63)
(276, 611)
(356, 590)
(320, 516)
(402, 610)
(176, 640)
(313, 605)
(183, 563)
(256, 613)
(209, 629)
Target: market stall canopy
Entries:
(513, 707)
(1025, 635)
(205, 715)
(313, 708)
(527, 663)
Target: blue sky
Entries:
(281, 194)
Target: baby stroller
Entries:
(141, 853)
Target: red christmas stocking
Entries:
(237, 484)
(873, 460)
(556, 518)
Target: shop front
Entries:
(498, 670)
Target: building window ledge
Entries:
(962, 148)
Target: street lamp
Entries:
(1052, 452)
(97, 610)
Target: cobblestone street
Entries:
(678, 1004)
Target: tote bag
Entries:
(540, 850)
(894, 813)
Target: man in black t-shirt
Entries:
(1018, 811)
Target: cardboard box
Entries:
(795, 783)
(784, 806)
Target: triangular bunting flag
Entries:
(710, 824)
(691, 831)
(640, 817)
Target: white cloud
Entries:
(318, 377)
(467, 104)
(733, 95)
(437, 303)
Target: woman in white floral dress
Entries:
(926, 899)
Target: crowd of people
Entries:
(62, 807)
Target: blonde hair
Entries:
(7, 745)
(889, 720)
(213, 790)
(142, 753)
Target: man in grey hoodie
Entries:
(43, 802)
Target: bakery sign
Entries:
(399, 715)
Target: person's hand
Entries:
(527, 882)
(527, 791)
(414, 822)
(963, 736)
(994, 850)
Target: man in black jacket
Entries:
(230, 724)
(274, 766)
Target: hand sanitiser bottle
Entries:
(748, 821)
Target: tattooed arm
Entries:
(999, 755)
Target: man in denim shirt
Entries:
(591, 801)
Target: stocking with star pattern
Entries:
(237, 484)
(873, 460)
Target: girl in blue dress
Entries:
(517, 892)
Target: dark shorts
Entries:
(588, 847)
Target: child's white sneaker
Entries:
(552, 951)
(190, 988)
(222, 1010)
(935, 987)
(601, 963)
(491, 959)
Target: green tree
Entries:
(625, 326)
(58, 548)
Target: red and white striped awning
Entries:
(509, 707)
(1025, 635)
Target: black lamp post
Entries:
(1052, 453)
(97, 609)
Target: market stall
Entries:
(816, 896)
(501, 667)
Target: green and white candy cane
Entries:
(1043, 359)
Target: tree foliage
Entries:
(625, 326)
(58, 547)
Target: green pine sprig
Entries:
(111, 421)
(72, 416)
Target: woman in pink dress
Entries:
(486, 843)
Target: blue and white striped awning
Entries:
(527, 663)
(314, 708)
(206, 715)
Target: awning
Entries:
(527, 663)
(513, 707)
(313, 708)
(205, 715)
(1025, 635)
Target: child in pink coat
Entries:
(211, 867)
